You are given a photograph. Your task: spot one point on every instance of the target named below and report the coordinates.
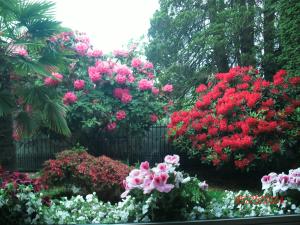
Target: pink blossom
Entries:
(79, 84)
(122, 69)
(145, 84)
(95, 53)
(69, 98)
(160, 183)
(136, 62)
(130, 78)
(118, 92)
(135, 173)
(123, 95)
(103, 67)
(145, 166)
(111, 126)
(168, 88)
(203, 185)
(20, 50)
(121, 79)
(81, 48)
(120, 115)
(153, 118)
(49, 81)
(126, 98)
(162, 167)
(94, 74)
(172, 159)
(120, 53)
(85, 39)
(155, 91)
(148, 65)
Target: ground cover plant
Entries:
(243, 120)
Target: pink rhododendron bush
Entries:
(169, 193)
(107, 93)
(242, 120)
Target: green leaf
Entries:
(6, 103)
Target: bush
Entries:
(243, 120)
(86, 172)
(107, 93)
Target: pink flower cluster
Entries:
(81, 48)
(168, 88)
(120, 115)
(69, 98)
(123, 74)
(79, 84)
(278, 183)
(149, 180)
(111, 126)
(123, 95)
(99, 69)
(145, 84)
(95, 53)
(20, 50)
(51, 82)
(153, 118)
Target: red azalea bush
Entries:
(102, 175)
(241, 118)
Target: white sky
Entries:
(109, 23)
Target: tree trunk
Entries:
(269, 64)
(7, 145)
(220, 57)
(247, 33)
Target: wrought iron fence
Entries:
(152, 146)
(31, 153)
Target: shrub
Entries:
(91, 174)
(107, 93)
(241, 119)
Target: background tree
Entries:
(191, 39)
(25, 104)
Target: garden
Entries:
(220, 79)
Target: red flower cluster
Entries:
(241, 118)
(92, 174)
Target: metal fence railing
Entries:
(32, 153)
(153, 146)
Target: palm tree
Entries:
(26, 105)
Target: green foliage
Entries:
(26, 25)
(191, 39)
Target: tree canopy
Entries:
(191, 39)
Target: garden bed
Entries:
(268, 220)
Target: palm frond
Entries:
(54, 117)
(26, 125)
(6, 103)
(36, 96)
(25, 67)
